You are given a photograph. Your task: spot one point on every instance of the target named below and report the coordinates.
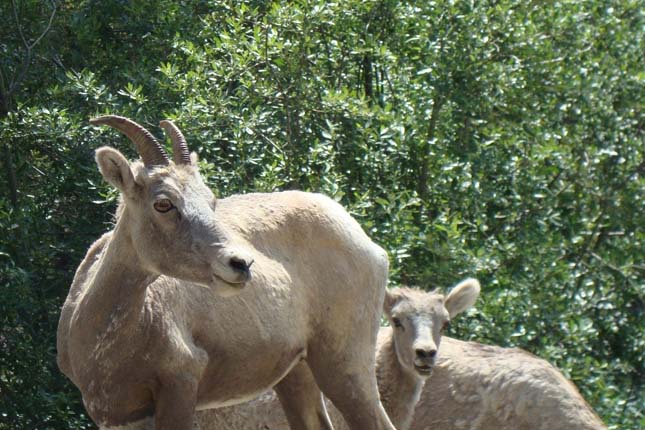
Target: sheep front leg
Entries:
(175, 403)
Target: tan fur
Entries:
(146, 330)
(472, 387)
(400, 384)
(481, 387)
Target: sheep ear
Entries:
(462, 297)
(391, 298)
(116, 170)
(194, 158)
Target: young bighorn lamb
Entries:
(481, 387)
(147, 337)
(405, 355)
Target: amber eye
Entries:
(397, 322)
(445, 326)
(163, 205)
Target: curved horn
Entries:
(180, 152)
(151, 152)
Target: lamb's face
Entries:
(176, 232)
(418, 320)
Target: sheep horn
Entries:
(180, 152)
(150, 150)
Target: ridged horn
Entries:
(180, 152)
(150, 150)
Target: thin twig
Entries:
(611, 267)
(28, 46)
(15, 80)
(49, 26)
(15, 15)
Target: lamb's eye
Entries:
(445, 326)
(397, 322)
(163, 205)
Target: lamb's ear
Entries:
(391, 297)
(462, 297)
(115, 169)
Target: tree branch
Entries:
(11, 176)
(19, 76)
(3, 86)
(49, 26)
(4, 96)
(422, 184)
(15, 15)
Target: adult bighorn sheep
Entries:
(405, 355)
(147, 336)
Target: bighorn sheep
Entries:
(405, 356)
(147, 336)
(481, 387)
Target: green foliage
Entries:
(501, 140)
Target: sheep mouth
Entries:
(240, 284)
(239, 280)
(424, 369)
(226, 288)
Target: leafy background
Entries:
(497, 139)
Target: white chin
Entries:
(226, 289)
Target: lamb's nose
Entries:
(240, 265)
(426, 353)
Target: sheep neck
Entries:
(399, 388)
(116, 290)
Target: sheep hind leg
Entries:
(302, 400)
(351, 387)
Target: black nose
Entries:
(426, 353)
(240, 265)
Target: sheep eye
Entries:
(397, 322)
(445, 326)
(163, 205)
